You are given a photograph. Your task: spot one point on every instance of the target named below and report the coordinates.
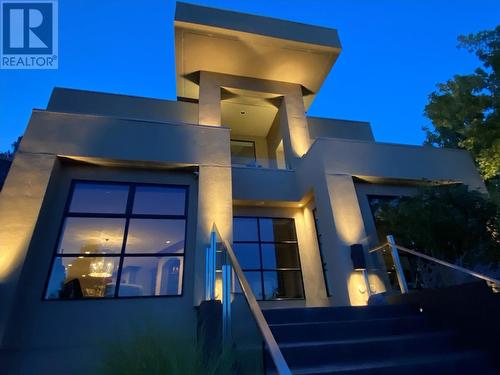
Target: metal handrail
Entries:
(450, 265)
(390, 243)
(274, 350)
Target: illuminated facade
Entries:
(113, 197)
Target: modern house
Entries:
(109, 204)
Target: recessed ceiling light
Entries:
(80, 257)
(69, 265)
(87, 252)
(167, 242)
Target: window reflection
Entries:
(248, 255)
(245, 229)
(155, 236)
(151, 276)
(99, 198)
(78, 277)
(268, 254)
(278, 255)
(255, 283)
(84, 235)
(282, 284)
(159, 200)
(276, 230)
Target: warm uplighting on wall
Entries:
(218, 288)
(358, 287)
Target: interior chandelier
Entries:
(100, 268)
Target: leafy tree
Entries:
(465, 111)
(9, 155)
(447, 222)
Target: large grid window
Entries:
(268, 253)
(120, 240)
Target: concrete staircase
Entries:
(389, 339)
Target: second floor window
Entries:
(243, 152)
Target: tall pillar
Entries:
(296, 121)
(342, 225)
(215, 205)
(20, 203)
(209, 105)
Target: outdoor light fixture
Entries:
(358, 257)
(359, 264)
(100, 268)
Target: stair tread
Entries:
(343, 309)
(303, 314)
(373, 339)
(350, 321)
(381, 364)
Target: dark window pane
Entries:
(245, 229)
(248, 255)
(157, 200)
(275, 230)
(280, 256)
(243, 152)
(155, 236)
(255, 283)
(82, 235)
(99, 198)
(83, 277)
(377, 204)
(151, 276)
(282, 284)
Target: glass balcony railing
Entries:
(245, 154)
(409, 270)
(246, 335)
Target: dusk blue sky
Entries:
(394, 53)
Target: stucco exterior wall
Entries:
(122, 106)
(124, 139)
(106, 141)
(72, 337)
(393, 161)
(20, 203)
(333, 128)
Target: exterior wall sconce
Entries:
(359, 264)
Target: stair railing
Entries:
(403, 285)
(221, 259)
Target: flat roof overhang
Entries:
(214, 40)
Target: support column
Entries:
(215, 205)
(209, 110)
(342, 225)
(295, 129)
(20, 203)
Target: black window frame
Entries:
(128, 215)
(261, 270)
